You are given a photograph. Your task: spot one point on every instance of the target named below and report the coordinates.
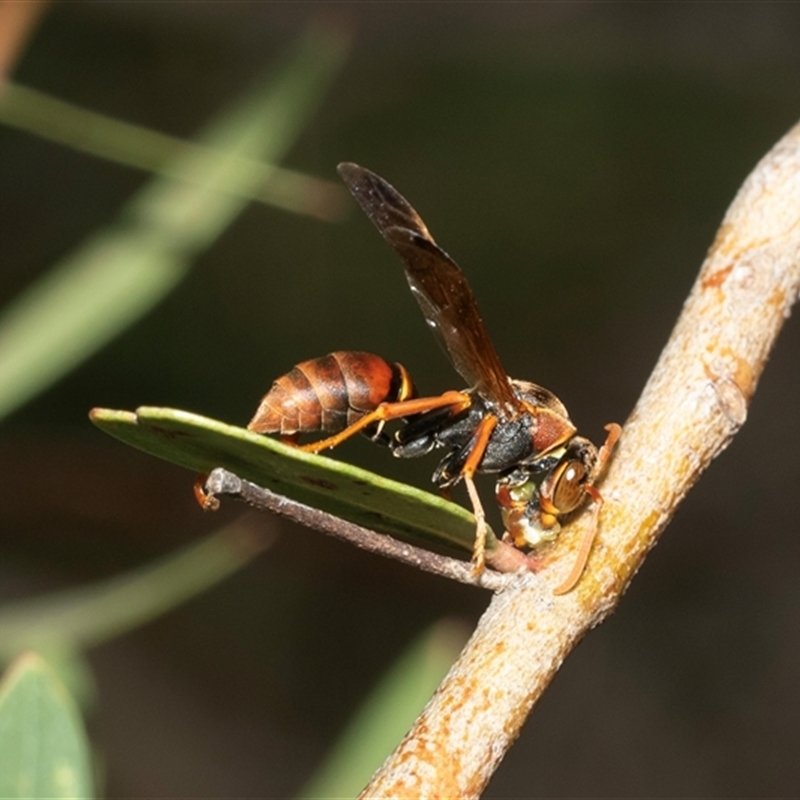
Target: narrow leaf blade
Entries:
(201, 444)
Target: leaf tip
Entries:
(99, 416)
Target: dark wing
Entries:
(438, 284)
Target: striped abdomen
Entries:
(330, 393)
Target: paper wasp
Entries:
(501, 425)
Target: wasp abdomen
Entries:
(330, 393)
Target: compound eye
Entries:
(568, 491)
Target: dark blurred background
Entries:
(576, 160)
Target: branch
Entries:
(222, 483)
(695, 401)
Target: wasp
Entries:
(512, 428)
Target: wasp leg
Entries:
(614, 432)
(480, 441)
(206, 501)
(389, 411)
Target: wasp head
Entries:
(535, 495)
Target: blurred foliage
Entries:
(44, 750)
(83, 617)
(121, 272)
(137, 146)
(387, 713)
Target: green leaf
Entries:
(121, 272)
(71, 666)
(387, 713)
(44, 752)
(201, 444)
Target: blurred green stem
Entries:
(387, 712)
(91, 614)
(136, 146)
